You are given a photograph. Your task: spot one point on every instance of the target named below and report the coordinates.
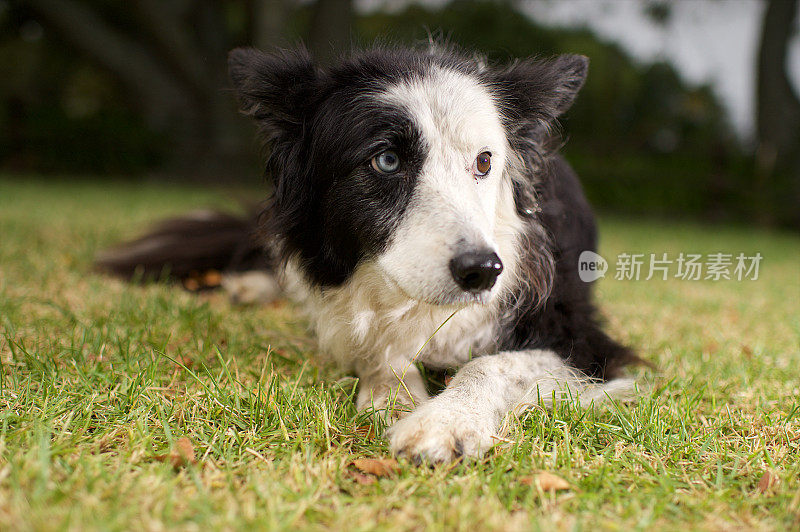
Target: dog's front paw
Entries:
(440, 432)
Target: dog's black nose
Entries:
(476, 270)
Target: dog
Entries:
(421, 216)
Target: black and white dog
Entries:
(420, 216)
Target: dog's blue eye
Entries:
(386, 162)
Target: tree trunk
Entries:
(268, 23)
(331, 29)
(778, 119)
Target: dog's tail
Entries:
(197, 242)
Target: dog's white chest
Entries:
(368, 320)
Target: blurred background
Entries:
(691, 109)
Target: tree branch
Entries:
(268, 22)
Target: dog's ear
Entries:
(275, 89)
(534, 93)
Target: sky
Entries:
(708, 41)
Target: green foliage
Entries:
(642, 140)
(109, 140)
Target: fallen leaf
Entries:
(185, 450)
(366, 431)
(361, 478)
(182, 454)
(546, 482)
(380, 467)
(187, 361)
(767, 482)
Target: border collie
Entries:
(421, 216)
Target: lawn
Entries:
(102, 381)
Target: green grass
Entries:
(100, 378)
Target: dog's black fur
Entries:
(566, 321)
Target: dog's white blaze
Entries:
(451, 210)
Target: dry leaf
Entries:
(550, 482)
(187, 361)
(184, 450)
(767, 482)
(366, 431)
(361, 478)
(181, 455)
(546, 482)
(380, 467)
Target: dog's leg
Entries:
(392, 388)
(464, 419)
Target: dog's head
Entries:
(403, 159)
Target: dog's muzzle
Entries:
(476, 271)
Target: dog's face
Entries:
(402, 159)
(444, 249)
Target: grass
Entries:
(100, 379)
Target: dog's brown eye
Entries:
(483, 163)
